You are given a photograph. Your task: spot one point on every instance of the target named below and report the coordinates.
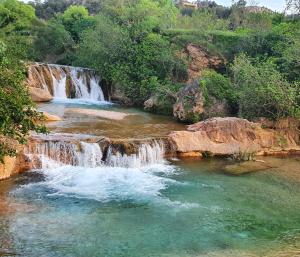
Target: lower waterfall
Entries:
(90, 155)
(48, 153)
(147, 154)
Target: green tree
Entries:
(15, 16)
(18, 115)
(76, 19)
(52, 41)
(262, 91)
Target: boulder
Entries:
(191, 105)
(39, 94)
(13, 165)
(235, 137)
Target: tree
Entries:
(262, 91)
(293, 6)
(15, 16)
(52, 40)
(76, 19)
(18, 115)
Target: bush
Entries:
(17, 113)
(262, 91)
(218, 86)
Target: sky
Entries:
(276, 5)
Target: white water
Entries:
(86, 84)
(59, 85)
(77, 170)
(50, 154)
(148, 154)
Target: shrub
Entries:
(262, 91)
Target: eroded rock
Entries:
(235, 137)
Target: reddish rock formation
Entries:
(40, 94)
(200, 60)
(234, 136)
(13, 165)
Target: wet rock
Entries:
(247, 167)
(119, 97)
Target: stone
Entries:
(190, 105)
(246, 167)
(39, 95)
(235, 137)
(199, 60)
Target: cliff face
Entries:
(199, 60)
(190, 103)
(234, 136)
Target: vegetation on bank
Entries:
(136, 44)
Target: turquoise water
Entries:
(184, 209)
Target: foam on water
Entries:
(106, 184)
(78, 170)
(80, 101)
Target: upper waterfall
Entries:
(64, 82)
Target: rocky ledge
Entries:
(238, 137)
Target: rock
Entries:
(190, 105)
(246, 167)
(39, 95)
(100, 113)
(119, 97)
(161, 105)
(199, 60)
(51, 117)
(190, 155)
(235, 137)
(13, 165)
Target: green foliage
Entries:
(262, 90)
(15, 16)
(218, 86)
(138, 68)
(49, 9)
(76, 19)
(17, 113)
(52, 40)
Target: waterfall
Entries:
(65, 82)
(147, 154)
(45, 154)
(59, 85)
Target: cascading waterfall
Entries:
(53, 153)
(46, 153)
(147, 154)
(65, 82)
(59, 85)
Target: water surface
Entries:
(183, 209)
